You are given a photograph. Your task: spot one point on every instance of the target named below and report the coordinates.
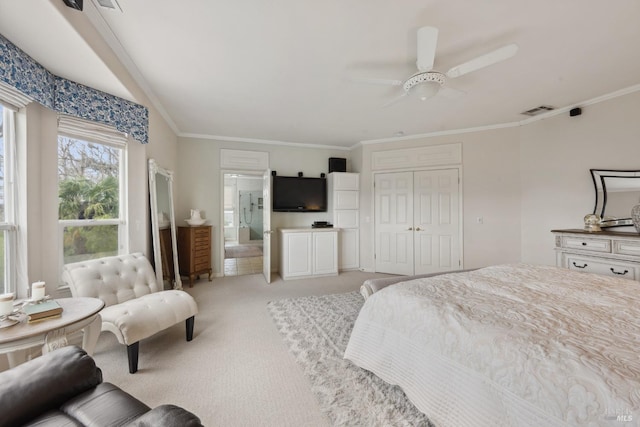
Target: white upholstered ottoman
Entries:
(135, 306)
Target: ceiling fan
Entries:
(428, 82)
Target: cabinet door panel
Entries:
(345, 218)
(346, 199)
(346, 181)
(297, 253)
(349, 245)
(325, 250)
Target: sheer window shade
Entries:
(74, 127)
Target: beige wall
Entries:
(200, 184)
(522, 180)
(556, 155)
(490, 188)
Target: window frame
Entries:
(121, 221)
(8, 226)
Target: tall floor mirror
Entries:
(163, 226)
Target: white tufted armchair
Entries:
(135, 306)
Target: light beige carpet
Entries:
(237, 371)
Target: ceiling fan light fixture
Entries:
(427, 84)
(426, 90)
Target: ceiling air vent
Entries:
(110, 4)
(538, 110)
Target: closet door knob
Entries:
(410, 228)
(418, 229)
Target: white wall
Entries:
(556, 155)
(200, 184)
(490, 186)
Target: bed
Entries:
(508, 345)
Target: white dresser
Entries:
(344, 199)
(611, 253)
(308, 252)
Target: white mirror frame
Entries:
(154, 170)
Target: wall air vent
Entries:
(109, 4)
(538, 110)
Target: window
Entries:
(7, 201)
(91, 201)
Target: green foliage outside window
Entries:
(88, 189)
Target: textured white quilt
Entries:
(509, 345)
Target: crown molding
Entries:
(552, 113)
(261, 141)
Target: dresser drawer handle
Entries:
(617, 272)
(580, 266)
(584, 243)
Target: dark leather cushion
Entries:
(45, 383)
(53, 418)
(105, 405)
(167, 416)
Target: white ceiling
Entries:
(283, 70)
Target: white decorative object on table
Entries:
(6, 304)
(635, 217)
(592, 222)
(37, 291)
(196, 218)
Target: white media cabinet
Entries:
(308, 252)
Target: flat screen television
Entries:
(299, 194)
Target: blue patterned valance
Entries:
(19, 70)
(22, 72)
(87, 103)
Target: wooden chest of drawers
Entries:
(194, 251)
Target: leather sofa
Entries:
(65, 388)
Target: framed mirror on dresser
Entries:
(617, 192)
(163, 226)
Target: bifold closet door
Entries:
(417, 222)
(436, 221)
(394, 222)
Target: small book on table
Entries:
(42, 311)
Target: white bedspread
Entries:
(510, 345)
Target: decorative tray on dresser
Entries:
(611, 253)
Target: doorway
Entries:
(243, 213)
(417, 221)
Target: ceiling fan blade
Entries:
(427, 42)
(386, 82)
(394, 100)
(483, 61)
